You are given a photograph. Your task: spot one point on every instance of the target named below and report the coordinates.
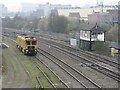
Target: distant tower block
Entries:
(101, 6)
(97, 3)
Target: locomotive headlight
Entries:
(26, 50)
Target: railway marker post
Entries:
(113, 52)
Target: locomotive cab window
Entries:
(33, 42)
(28, 42)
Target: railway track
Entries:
(104, 70)
(78, 76)
(45, 75)
(71, 50)
(91, 64)
(14, 32)
(90, 55)
(86, 54)
(39, 82)
(94, 57)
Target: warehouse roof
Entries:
(75, 14)
(84, 12)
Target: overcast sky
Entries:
(14, 5)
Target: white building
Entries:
(47, 10)
(91, 33)
(48, 7)
(60, 6)
(3, 10)
(27, 8)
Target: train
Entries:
(27, 44)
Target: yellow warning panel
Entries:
(113, 50)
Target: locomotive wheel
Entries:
(35, 53)
(24, 51)
(17, 46)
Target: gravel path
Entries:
(11, 74)
(15, 80)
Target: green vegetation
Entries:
(32, 70)
(19, 22)
(101, 48)
(51, 75)
(43, 23)
(112, 34)
(56, 24)
(59, 24)
(85, 45)
(4, 69)
(7, 53)
(98, 47)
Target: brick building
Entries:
(109, 17)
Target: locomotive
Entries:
(27, 44)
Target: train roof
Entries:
(26, 37)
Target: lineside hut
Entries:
(89, 34)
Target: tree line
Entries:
(57, 24)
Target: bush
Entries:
(101, 48)
(112, 34)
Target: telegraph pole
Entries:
(90, 48)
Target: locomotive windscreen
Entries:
(28, 42)
(33, 42)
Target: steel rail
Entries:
(76, 71)
(112, 74)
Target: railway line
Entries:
(44, 75)
(18, 76)
(75, 82)
(90, 55)
(14, 32)
(82, 79)
(89, 59)
(78, 53)
(39, 82)
(52, 72)
(91, 64)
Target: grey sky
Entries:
(14, 5)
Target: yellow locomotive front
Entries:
(28, 45)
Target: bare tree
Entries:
(58, 24)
